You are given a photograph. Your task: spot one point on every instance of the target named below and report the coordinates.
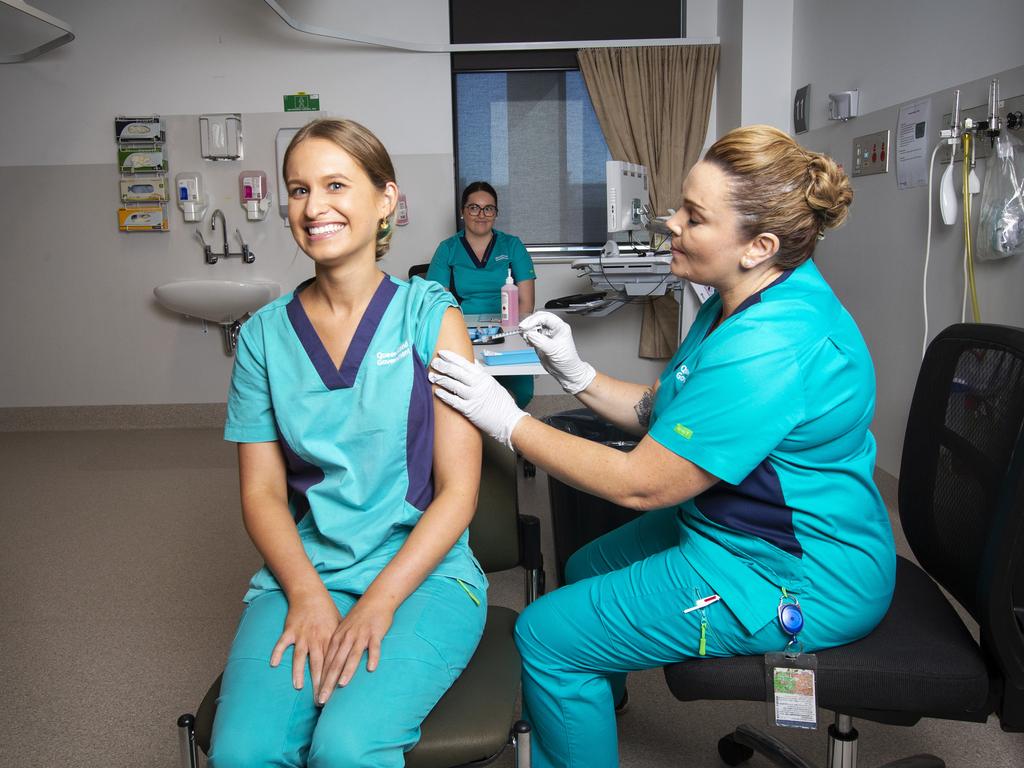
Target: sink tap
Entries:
(223, 228)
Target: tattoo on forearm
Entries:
(643, 409)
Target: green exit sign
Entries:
(302, 102)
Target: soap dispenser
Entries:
(189, 187)
(509, 303)
(254, 194)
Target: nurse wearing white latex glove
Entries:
(474, 393)
(766, 402)
(551, 336)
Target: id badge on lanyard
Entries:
(790, 674)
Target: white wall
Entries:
(875, 262)
(755, 64)
(81, 326)
(729, 83)
(767, 47)
(194, 56)
(893, 51)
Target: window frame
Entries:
(561, 60)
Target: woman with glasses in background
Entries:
(474, 263)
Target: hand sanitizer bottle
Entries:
(509, 303)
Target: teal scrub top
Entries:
(476, 283)
(357, 439)
(776, 402)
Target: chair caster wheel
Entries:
(529, 469)
(732, 752)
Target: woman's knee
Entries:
(235, 748)
(537, 629)
(334, 747)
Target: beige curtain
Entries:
(653, 105)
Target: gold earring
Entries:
(384, 226)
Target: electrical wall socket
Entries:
(871, 154)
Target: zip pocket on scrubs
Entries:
(474, 598)
(700, 604)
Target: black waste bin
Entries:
(576, 516)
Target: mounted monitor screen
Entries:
(626, 195)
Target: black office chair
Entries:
(961, 504)
(475, 720)
(418, 269)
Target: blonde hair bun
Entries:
(829, 193)
(778, 186)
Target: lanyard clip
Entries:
(791, 618)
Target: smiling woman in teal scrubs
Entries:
(754, 467)
(357, 488)
(474, 263)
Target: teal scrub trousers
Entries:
(262, 720)
(622, 611)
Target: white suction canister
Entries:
(947, 196)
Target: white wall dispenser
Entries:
(254, 194)
(843, 105)
(220, 136)
(189, 193)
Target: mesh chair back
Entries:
(418, 269)
(963, 459)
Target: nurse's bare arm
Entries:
(312, 615)
(457, 451)
(527, 296)
(648, 477)
(623, 403)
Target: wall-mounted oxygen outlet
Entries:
(871, 154)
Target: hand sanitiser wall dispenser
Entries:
(254, 194)
(189, 189)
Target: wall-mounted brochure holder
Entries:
(144, 190)
(220, 136)
(142, 165)
(142, 218)
(135, 129)
(142, 158)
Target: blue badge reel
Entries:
(790, 675)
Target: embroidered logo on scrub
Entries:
(682, 373)
(501, 257)
(686, 432)
(390, 358)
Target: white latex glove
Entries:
(551, 336)
(474, 393)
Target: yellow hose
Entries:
(969, 251)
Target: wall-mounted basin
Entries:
(218, 301)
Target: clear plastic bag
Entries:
(1001, 223)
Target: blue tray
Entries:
(513, 357)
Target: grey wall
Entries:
(729, 84)
(875, 262)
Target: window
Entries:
(534, 137)
(523, 119)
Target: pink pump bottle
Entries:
(509, 303)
